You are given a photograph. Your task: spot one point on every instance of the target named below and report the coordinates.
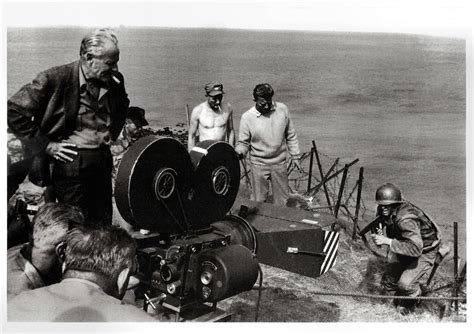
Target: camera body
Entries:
(203, 268)
(189, 250)
(19, 227)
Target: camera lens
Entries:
(206, 277)
(172, 287)
(166, 273)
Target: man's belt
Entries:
(104, 148)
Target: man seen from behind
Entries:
(38, 263)
(96, 271)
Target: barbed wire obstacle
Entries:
(321, 193)
(299, 181)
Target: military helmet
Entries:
(388, 194)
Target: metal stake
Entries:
(320, 172)
(455, 259)
(359, 193)
(336, 173)
(316, 188)
(310, 176)
(186, 109)
(243, 162)
(341, 190)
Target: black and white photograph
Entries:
(297, 162)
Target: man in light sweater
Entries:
(38, 263)
(267, 132)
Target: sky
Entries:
(451, 18)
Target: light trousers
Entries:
(263, 175)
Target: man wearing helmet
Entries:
(413, 240)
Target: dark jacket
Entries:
(412, 230)
(46, 109)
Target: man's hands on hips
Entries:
(63, 152)
(381, 240)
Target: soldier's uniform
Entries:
(415, 242)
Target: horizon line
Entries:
(309, 31)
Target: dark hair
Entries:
(51, 223)
(263, 90)
(106, 250)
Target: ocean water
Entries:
(396, 102)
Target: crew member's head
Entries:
(214, 93)
(99, 55)
(105, 256)
(388, 198)
(135, 120)
(263, 95)
(50, 226)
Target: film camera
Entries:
(189, 250)
(19, 224)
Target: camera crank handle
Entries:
(151, 301)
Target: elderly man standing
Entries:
(38, 263)
(211, 121)
(96, 271)
(267, 132)
(68, 117)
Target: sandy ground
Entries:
(289, 297)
